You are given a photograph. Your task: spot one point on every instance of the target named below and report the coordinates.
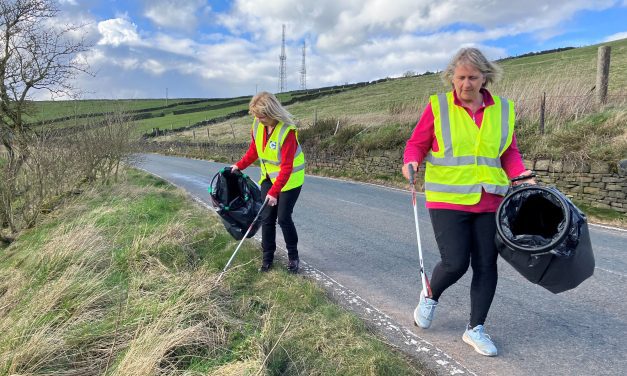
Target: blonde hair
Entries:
(475, 58)
(267, 104)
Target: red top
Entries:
(423, 139)
(288, 150)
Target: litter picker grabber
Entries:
(265, 202)
(426, 287)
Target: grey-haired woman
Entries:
(466, 137)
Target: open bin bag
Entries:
(544, 236)
(237, 200)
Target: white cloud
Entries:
(153, 66)
(117, 31)
(176, 14)
(68, 2)
(347, 41)
(340, 25)
(616, 36)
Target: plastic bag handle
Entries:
(523, 177)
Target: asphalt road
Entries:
(362, 237)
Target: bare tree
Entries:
(36, 53)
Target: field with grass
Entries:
(151, 114)
(121, 281)
(48, 110)
(566, 78)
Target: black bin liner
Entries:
(237, 200)
(545, 237)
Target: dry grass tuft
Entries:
(34, 335)
(71, 244)
(244, 368)
(12, 281)
(180, 311)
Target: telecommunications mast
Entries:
(303, 71)
(282, 71)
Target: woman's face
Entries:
(467, 81)
(265, 119)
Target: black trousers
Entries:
(466, 239)
(282, 212)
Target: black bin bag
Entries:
(544, 236)
(237, 200)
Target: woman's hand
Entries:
(234, 168)
(521, 180)
(271, 200)
(406, 167)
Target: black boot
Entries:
(265, 267)
(292, 266)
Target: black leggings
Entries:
(466, 239)
(283, 212)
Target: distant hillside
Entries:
(566, 75)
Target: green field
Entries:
(47, 110)
(567, 78)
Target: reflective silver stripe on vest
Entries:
(466, 189)
(298, 150)
(463, 161)
(445, 126)
(436, 187)
(270, 162)
(278, 163)
(450, 161)
(487, 161)
(284, 129)
(504, 124)
(280, 145)
(274, 175)
(496, 189)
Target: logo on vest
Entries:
(272, 145)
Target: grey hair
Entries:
(267, 104)
(475, 58)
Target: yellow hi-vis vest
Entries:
(469, 157)
(270, 157)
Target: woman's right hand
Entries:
(407, 166)
(234, 168)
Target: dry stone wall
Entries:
(600, 184)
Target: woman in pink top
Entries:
(465, 232)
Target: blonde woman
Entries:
(275, 144)
(466, 137)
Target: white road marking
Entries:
(610, 271)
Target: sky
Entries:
(218, 49)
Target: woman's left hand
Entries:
(271, 200)
(531, 180)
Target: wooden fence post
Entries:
(194, 134)
(542, 108)
(603, 73)
(315, 119)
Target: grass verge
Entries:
(121, 282)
